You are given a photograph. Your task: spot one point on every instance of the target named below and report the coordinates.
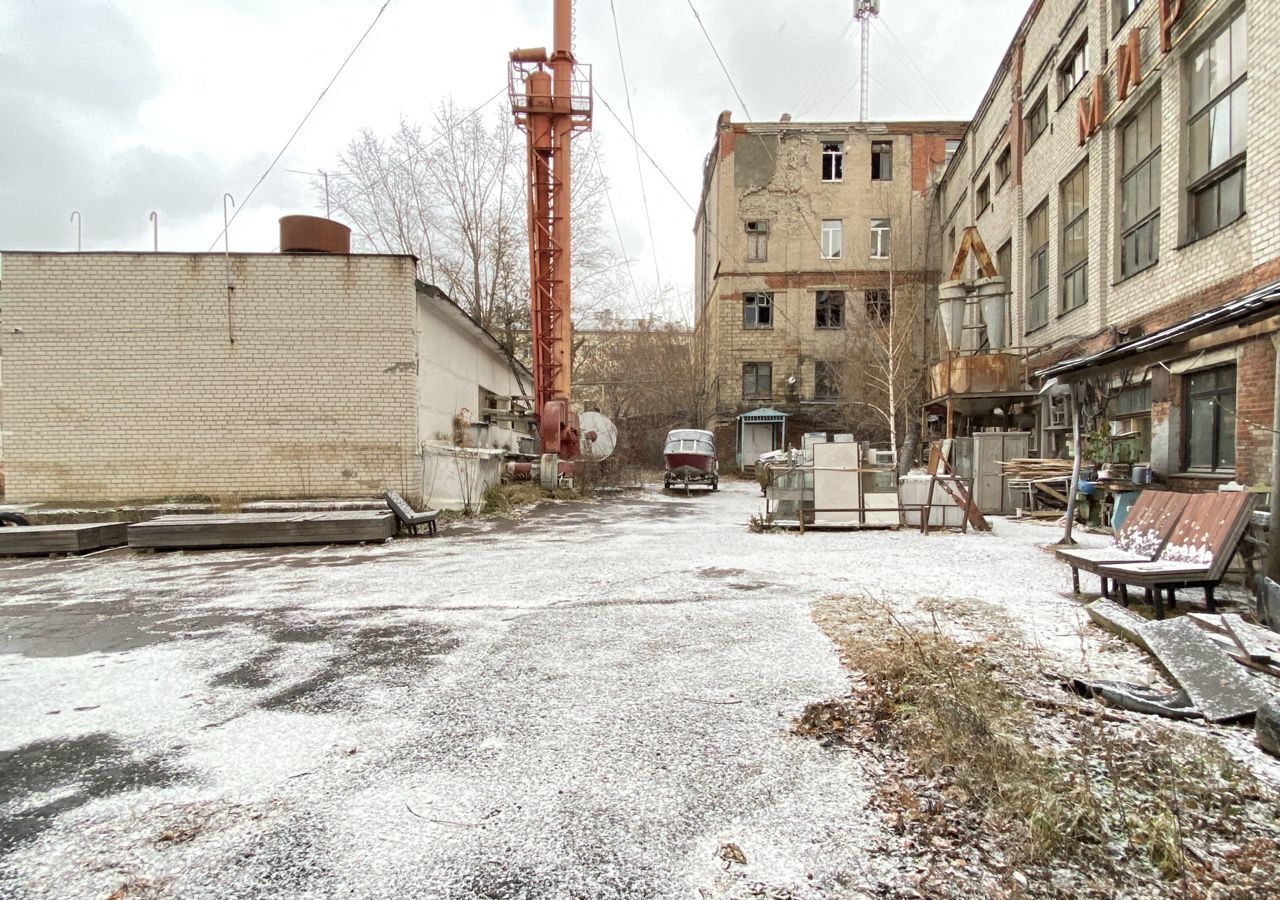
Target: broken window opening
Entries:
(757, 310)
(877, 305)
(757, 381)
(757, 240)
(826, 380)
(882, 160)
(829, 309)
(833, 162)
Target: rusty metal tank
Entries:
(312, 234)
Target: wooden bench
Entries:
(1197, 553)
(405, 513)
(1145, 531)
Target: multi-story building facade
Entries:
(803, 233)
(1121, 171)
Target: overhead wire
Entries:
(305, 118)
(806, 100)
(644, 196)
(805, 219)
(618, 231)
(909, 63)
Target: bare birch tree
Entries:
(457, 200)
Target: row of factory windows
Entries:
(828, 308)
(831, 240)
(1216, 121)
(833, 156)
(757, 381)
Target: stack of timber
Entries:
(1227, 667)
(42, 540)
(1036, 469)
(262, 529)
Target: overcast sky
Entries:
(120, 108)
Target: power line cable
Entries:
(618, 231)
(909, 63)
(711, 43)
(254, 189)
(644, 197)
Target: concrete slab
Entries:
(1216, 684)
(41, 540)
(262, 529)
(1118, 620)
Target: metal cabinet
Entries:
(990, 490)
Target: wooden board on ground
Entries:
(1254, 645)
(262, 529)
(40, 540)
(1213, 681)
(1118, 620)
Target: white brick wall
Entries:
(1184, 269)
(121, 381)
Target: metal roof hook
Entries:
(226, 264)
(155, 231)
(79, 220)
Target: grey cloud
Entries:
(85, 54)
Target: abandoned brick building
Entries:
(803, 231)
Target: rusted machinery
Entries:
(551, 100)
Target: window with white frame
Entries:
(1074, 69)
(833, 161)
(828, 309)
(1073, 213)
(832, 238)
(951, 147)
(757, 381)
(1218, 128)
(882, 160)
(1140, 189)
(757, 240)
(1038, 268)
(879, 238)
(757, 310)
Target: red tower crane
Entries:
(551, 101)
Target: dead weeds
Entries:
(1051, 795)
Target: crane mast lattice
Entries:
(551, 101)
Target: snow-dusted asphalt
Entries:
(586, 703)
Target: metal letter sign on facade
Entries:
(1090, 110)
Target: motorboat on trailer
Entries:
(690, 455)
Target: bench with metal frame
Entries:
(408, 517)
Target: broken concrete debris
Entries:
(1200, 654)
(1211, 679)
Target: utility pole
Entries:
(864, 12)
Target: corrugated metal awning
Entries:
(1251, 307)
(764, 414)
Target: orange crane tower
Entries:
(550, 107)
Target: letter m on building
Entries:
(1089, 112)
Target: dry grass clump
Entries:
(1043, 783)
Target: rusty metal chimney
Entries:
(312, 234)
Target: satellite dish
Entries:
(599, 436)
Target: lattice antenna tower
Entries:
(864, 11)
